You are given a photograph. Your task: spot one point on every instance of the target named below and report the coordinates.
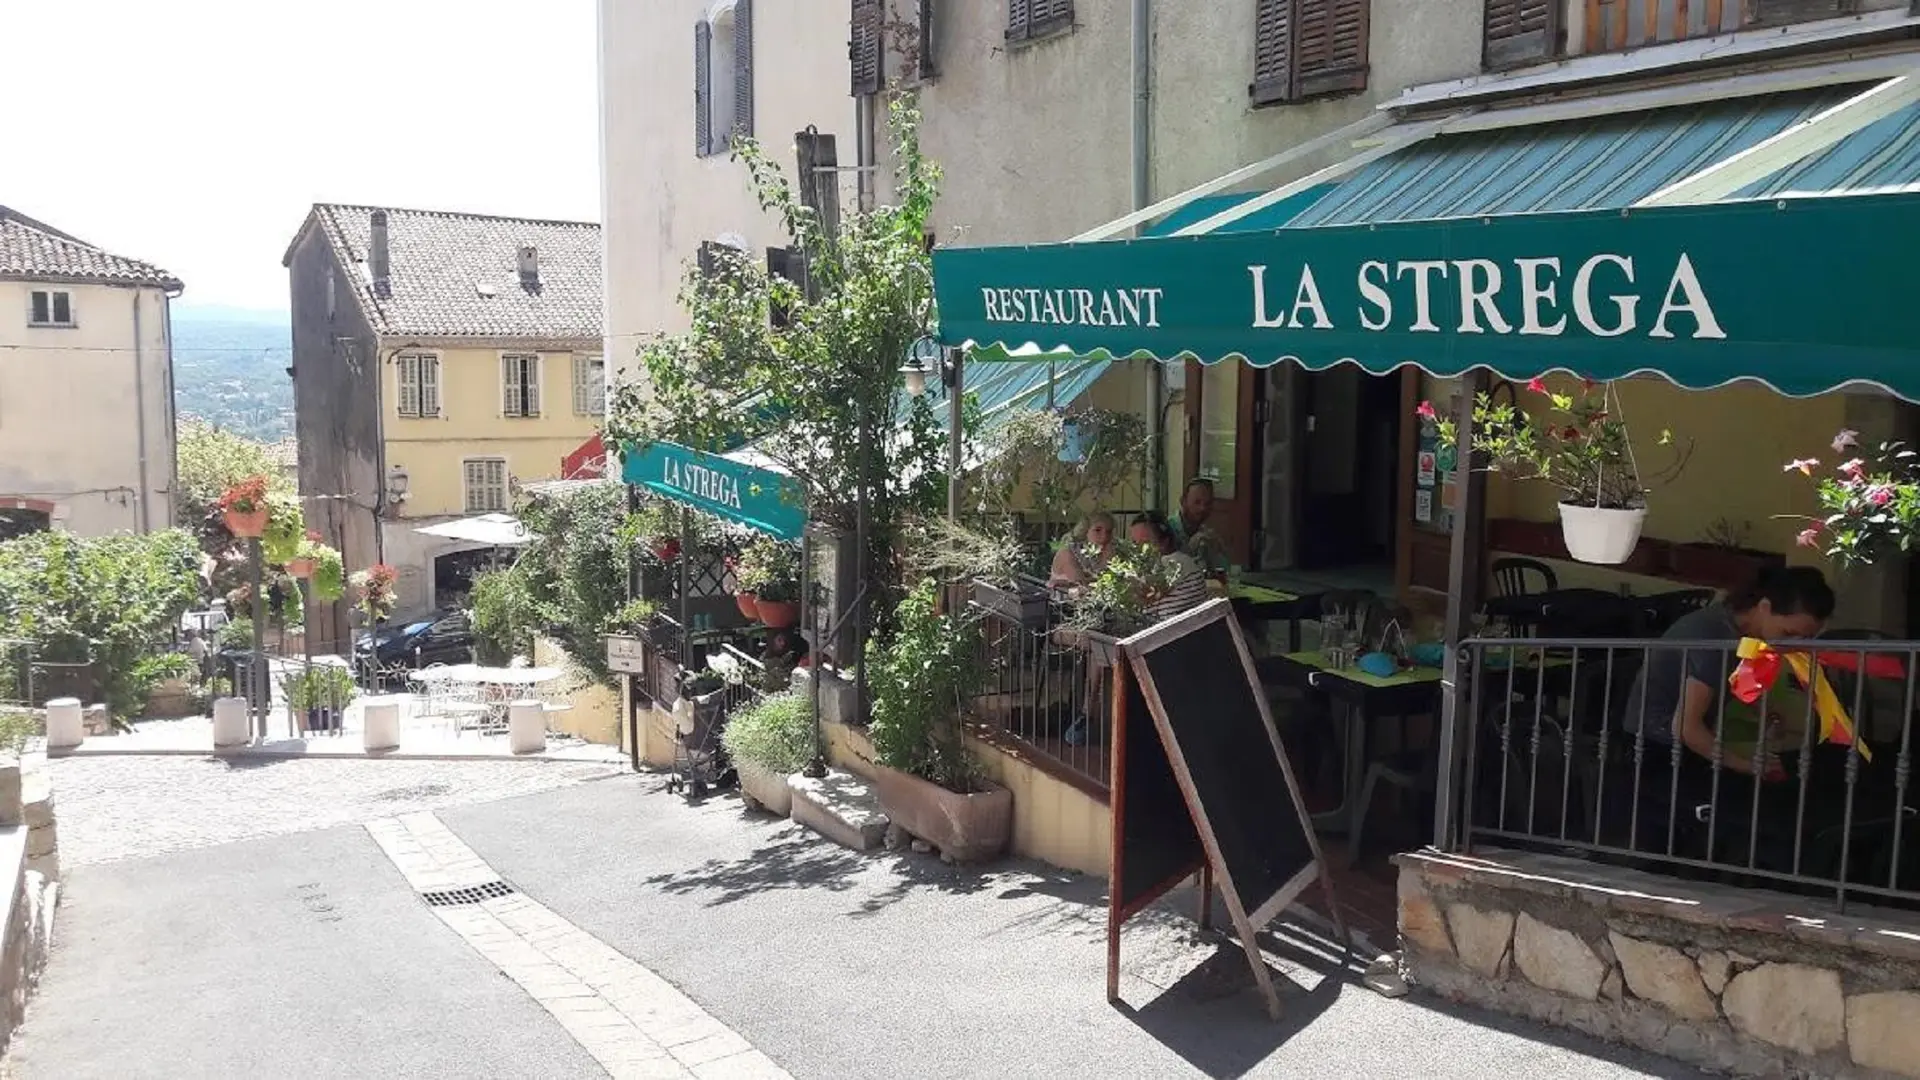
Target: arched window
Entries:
(723, 75)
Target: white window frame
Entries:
(485, 485)
(589, 384)
(511, 403)
(426, 382)
(54, 296)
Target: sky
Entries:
(196, 133)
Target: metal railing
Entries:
(1569, 750)
(1045, 684)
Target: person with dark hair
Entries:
(1189, 587)
(1189, 528)
(1675, 695)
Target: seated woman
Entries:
(1084, 553)
(1189, 586)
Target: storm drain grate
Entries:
(492, 890)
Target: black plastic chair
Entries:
(1661, 610)
(1513, 577)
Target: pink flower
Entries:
(1844, 440)
(1534, 384)
(1809, 537)
(1879, 495)
(1853, 468)
(1805, 465)
(1425, 411)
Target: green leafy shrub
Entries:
(17, 726)
(775, 734)
(237, 634)
(329, 574)
(324, 686)
(920, 678)
(632, 618)
(286, 528)
(500, 615)
(106, 603)
(769, 569)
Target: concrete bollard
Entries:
(526, 727)
(380, 721)
(66, 726)
(232, 724)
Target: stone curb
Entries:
(364, 755)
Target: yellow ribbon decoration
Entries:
(1833, 716)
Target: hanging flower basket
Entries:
(244, 508)
(300, 568)
(1599, 535)
(246, 524)
(778, 614)
(748, 604)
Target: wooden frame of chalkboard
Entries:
(1243, 807)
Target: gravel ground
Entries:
(113, 808)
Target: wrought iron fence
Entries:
(1570, 748)
(1045, 683)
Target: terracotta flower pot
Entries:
(966, 828)
(748, 604)
(778, 614)
(300, 568)
(247, 525)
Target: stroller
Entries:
(699, 761)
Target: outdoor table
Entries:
(1259, 604)
(1360, 697)
(498, 684)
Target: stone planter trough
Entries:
(765, 788)
(966, 828)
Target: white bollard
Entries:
(232, 724)
(380, 720)
(526, 727)
(65, 727)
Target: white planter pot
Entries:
(526, 727)
(232, 725)
(1604, 537)
(380, 724)
(766, 787)
(66, 727)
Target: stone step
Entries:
(840, 807)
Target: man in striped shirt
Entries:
(1189, 584)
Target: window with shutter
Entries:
(485, 484)
(1028, 20)
(702, 77)
(589, 385)
(1308, 48)
(923, 65)
(419, 377)
(863, 46)
(743, 69)
(520, 384)
(1521, 32)
(1782, 12)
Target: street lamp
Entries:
(926, 356)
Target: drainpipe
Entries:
(173, 408)
(140, 412)
(1142, 149)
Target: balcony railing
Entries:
(1556, 758)
(1046, 685)
(1613, 25)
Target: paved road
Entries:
(308, 955)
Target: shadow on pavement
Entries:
(1216, 1019)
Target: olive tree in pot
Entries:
(767, 742)
(927, 783)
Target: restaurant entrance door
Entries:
(1347, 482)
(1223, 407)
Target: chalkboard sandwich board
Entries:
(1202, 783)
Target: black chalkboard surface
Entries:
(1197, 682)
(1155, 843)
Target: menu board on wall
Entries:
(1434, 476)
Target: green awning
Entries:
(1004, 383)
(1519, 250)
(1265, 219)
(760, 499)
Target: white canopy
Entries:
(487, 530)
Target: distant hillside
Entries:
(230, 369)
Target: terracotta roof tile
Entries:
(34, 251)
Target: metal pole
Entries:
(956, 438)
(305, 589)
(1463, 599)
(861, 484)
(262, 691)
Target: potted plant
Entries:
(743, 598)
(244, 508)
(920, 679)
(767, 742)
(317, 697)
(1869, 502)
(329, 574)
(769, 570)
(303, 562)
(1578, 444)
(1115, 602)
(1721, 557)
(375, 586)
(286, 529)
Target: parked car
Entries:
(443, 638)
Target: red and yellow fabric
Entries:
(1759, 667)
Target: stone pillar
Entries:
(380, 720)
(66, 726)
(526, 727)
(43, 844)
(232, 725)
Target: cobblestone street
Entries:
(113, 808)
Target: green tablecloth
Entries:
(1259, 594)
(1409, 677)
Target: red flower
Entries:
(1879, 495)
(1571, 434)
(1809, 537)
(1534, 384)
(1425, 411)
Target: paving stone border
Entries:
(1741, 980)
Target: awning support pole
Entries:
(1463, 599)
(956, 438)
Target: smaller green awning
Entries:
(1277, 216)
(760, 499)
(1004, 381)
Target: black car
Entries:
(443, 638)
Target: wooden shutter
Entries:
(1308, 48)
(429, 386)
(863, 48)
(532, 362)
(1028, 19)
(702, 75)
(409, 385)
(923, 56)
(1272, 52)
(743, 68)
(1782, 12)
(1521, 32)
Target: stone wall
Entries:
(1747, 981)
(29, 882)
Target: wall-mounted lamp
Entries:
(397, 481)
(925, 357)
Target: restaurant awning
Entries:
(485, 530)
(1758, 238)
(736, 491)
(1005, 382)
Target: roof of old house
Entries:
(35, 251)
(454, 275)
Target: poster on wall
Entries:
(1426, 468)
(1423, 505)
